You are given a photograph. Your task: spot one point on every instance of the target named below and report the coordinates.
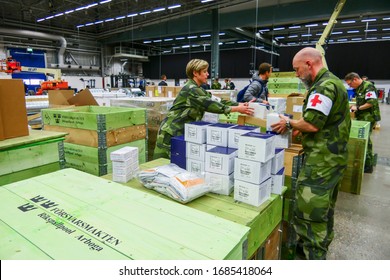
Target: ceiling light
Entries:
(372, 38)
(386, 18)
(370, 30)
(205, 35)
(109, 19)
(342, 40)
(279, 37)
(353, 31)
(220, 43)
(238, 28)
(89, 24)
(368, 19)
(104, 2)
(158, 10)
(293, 36)
(98, 22)
(386, 37)
(222, 34)
(386, 29)
(147, 42)
(180, 38)
(157, 41)
(168, 39)
(356, 39)
(174, 7)
(295, 27)
(311, 25)
(348, 21)
(242, 42)
(121, 17)
(278, 28)
(68, 12)
(185, 46)
(145, 12)
(337, 33)
(192, 37)
(306, 35)
(264, 30)
(132, 15)
(206, 1)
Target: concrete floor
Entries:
(362, 222)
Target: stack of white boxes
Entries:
(125, 164)
(277, 171)
(195, 138)
(252, 169)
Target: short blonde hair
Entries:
(196, 65)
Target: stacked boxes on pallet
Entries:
(94, 132)
(284, 83)
(156, 110)
(357, 147)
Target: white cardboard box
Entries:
(282, 140)
(123, 178)
(278, 104)
(195, 166)
(260, 110)
(122, 168)
(217, 134)
(277, 161)
(256, 146)
(251, 193)
(251, 171)
(236, 131)
(278, 182)
(220, 184)
(196, 132)
(220, 160)
(210, 117)
(124, 154)
(195, 151)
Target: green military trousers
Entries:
(316, 197)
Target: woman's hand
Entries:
(243, 108)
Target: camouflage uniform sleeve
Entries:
(373, 100)
(201, 100)
(317, 117)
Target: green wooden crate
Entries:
(360, 129)
(32, 155)
(72, 215)
(353, 176)
(94, 117)
(286, 91)
(262, 220)
(290, 74)
(281, 85)
(97, 161)
(230, 118)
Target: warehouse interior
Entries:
(114, 48)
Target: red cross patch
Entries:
(370, 95)
(320, 102)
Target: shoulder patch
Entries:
(370, 94)
(320, 103)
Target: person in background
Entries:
(257, 90)
(325, 127)
(205, 86)
(364, 78)
(366, 109)
(163, 80)
(190, 105)
(231, 84)
(216, 84)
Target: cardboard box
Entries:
(195, 151)
(251, 193)
(124, 154)
(294, 105)
(260, 110)
(256, 146)
(195, 166)
(251, 171)
(217, 134)
(13, 112)
(289, 154)
(220, 160)
(277, 161)
(61, 98)
(178, 151)
(236, 131)
(196, 132)
(277, 182)
(220, 184)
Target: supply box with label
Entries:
(196, 132)
(220, 160)
(217, 134)
(295, 105)
(238, 130)
(256, 146)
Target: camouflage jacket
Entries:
(189, 106)
(326, 107)
(366, 93)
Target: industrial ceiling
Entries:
(175, 26)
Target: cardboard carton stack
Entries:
(125, 164)
(252, 170)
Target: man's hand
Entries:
(280, 127)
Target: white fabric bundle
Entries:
(174, 182)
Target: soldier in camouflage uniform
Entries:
(366, 109)
(190, 105)
(325, 127)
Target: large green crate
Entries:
(94, 117)
(28, 156)
(72, 215)
(360, 129)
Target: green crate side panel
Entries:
(29, 173)
(230, 118)
(165, 230)
(290, 74)
(277, 85)
(88, 167)
(94, 117)
(16, 247)
(35, 137)
(353, 176)
(25, 158)
(360, 129)
(286, 91)
(286, 80)
(288, 209)
(101, 155)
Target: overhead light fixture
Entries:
(386, 18)
(147, 42)
(372, 38)
(222, 34)
(386, 37)
(294, 27)
(342, 40)
(353, 31)
(242, 42)
(278, 28)
(348, 21)
(145, 13)
(174, 7)
(192, 37)
(370, 30)
(368, 20)
(132, 15)
(306, 35)
(356, 39)
(158, 10)
(121, 17)
(205, 35)
(293, 36)
(180, 38)
(337, 32)
(168, 39)
(386, 29)
(264, 30)
(311, 25)
(206, 1)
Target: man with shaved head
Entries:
(325, 127)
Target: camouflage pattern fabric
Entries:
(326, 107)
(371, 115)
(189, 106)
